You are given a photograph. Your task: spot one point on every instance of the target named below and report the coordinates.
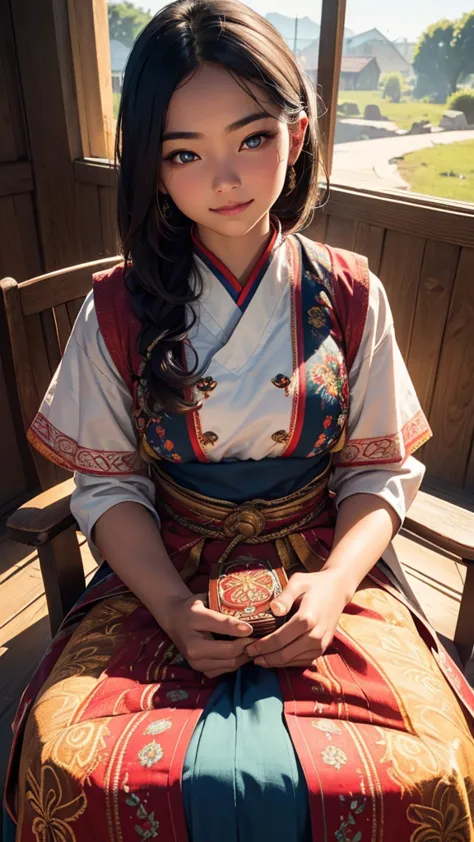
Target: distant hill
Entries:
(307, 32)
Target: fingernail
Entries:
(278, 607)
(244, 627)
(260, 662)
(252, 650)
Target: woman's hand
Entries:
(322, 598)
(190, 625)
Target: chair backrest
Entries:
(40, 313)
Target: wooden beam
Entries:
(16, 178)
(331, 41)
(402, 214)
(95, 171)
(41, 35)
(89, 29)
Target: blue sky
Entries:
(398, 18)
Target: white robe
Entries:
(86, 421)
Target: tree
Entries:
(463, 42)
(126, 21)
(438, 60)
(393, 87)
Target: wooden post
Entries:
(41, 33)
(89, 28)
(331, 43)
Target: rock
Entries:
(372, 112)
(421, 127)
(453, 121)
(349, 109)
(349, 130)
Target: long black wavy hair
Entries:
(160, 273)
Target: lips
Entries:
(232, 208)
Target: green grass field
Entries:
(422, 170)
(404, 114)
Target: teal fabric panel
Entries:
(242, 780)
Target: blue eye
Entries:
(254, 142)
(182, 156)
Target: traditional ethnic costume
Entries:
(305, 401)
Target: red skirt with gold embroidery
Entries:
(383, 719)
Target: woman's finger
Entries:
(205, 619)
(204, 648)
(279, 659)
(213, 668)
(301, 623)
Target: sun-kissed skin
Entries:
(201, 174)
(221, 167)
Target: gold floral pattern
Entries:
(327, 726)
(334, 756)
(150, 754)
(444, 820)
(54, 815)
(158, 727)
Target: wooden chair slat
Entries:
(73, 308)
(63, 326)
(48, 291)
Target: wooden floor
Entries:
(24, 632)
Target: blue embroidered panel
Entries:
(326, 380)
(326, 383)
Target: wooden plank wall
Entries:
(429, 281)
(48, 218)
(19, 253)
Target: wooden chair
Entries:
(40, 313)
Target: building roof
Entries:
(355, 64)
(119, 54)
(369, 35)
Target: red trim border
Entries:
(386, 450)
(67, 453)
(299, 366)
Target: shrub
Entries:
(462, 101)
(393, 87)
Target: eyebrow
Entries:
(239, 124)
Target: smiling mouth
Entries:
(232, 208)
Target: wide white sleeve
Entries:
(386, 423)
(85, 424)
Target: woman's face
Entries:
(222, 151)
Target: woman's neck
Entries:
(239, 254)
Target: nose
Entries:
(225, 179)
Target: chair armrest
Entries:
(446, 525)
(44, 517)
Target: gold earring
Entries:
(291, 179)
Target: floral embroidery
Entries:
(327, 727)
(329, 379)
(150, 826)
(206, 385)
(158, 727)
(157, 440)
(334, 756)
(317, 317)
(177, 695)
(150, 754)
(344, 834)
(281, 381)
(442, 820)
(54, 816)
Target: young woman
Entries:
(240, 423)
